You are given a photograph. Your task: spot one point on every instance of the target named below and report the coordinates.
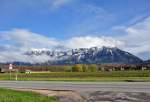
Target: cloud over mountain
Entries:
(15, 42)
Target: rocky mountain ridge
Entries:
(92, 55)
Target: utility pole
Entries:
(16, 74)
(9, 74)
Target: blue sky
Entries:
(72, 17)
(75, 23)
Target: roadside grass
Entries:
(7, 95)
(92, 79)
(82, 76)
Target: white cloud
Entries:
(137, 38)
(89, 41)
(9, 56)
(27, 39)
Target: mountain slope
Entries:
(93, 55)
(147, 62)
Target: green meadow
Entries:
(7, 95)
(81, 76)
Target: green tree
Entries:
(77, 68)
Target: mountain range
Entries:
(92, 55)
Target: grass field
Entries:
(7, 95)
(82, 76)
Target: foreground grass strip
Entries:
(7, 95)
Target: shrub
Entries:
(93, 68)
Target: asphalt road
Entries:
(80, 86)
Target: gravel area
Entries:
(98, 96)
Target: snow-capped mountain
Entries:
(92, 55)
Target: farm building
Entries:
(4, 68)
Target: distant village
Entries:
(4, 68)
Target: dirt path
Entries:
(62, 95)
